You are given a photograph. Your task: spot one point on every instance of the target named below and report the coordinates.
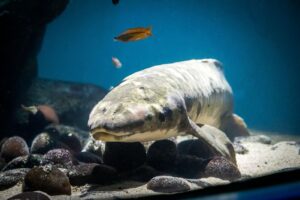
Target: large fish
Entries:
(189, 97)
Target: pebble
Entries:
(194, 147)
(162, 155)
(42, 143)
(92, 173)
(222, 168)
(48, 179)
(31, 196)
(124, 156)
(28, 161)
(168, 184)
(10, 178)
(88, 157)
(14, 147)
(188, 166)
(60, 157)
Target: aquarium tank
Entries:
(179, 99)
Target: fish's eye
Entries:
(148, 118)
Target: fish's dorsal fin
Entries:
(135, 30)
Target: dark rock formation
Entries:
(22, 25)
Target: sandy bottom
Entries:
(261, 159)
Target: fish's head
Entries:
(130, 122)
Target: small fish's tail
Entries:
(150, 29)
(115, 39)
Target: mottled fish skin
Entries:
(151, 104)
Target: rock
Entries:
(222, 168)
(94, 146)
(47, 179)
(72, 101)
(92, 173)
(59, 136)
(168, 184)
(142, 174)
(31, 196)
(44, 142)
(188, 166)
(254, 138)
(194, 147)
(88, 157)
(28, 161)
(22, 25)
(73, 138)
(162, 155)
(239, 148)
(60, 157)
(124, 156)
(11, 177)
(14, 147)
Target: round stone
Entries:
(194, 147)
(42, 143)
(92, 173)
(188, 166)
(60, 157)
(162, 155)
(48, 179)
(222, 168)
(124, 156)
(168, 184)
(31, 195)
(14, 147)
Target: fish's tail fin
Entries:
(150, 29)
(115, 39)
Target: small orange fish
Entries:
(134, 34)
(116, 62)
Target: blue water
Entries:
(257, 41)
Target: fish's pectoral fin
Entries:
(234, 126)
(215, 139)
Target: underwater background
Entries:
(257, 41)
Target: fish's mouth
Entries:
(106, 136)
